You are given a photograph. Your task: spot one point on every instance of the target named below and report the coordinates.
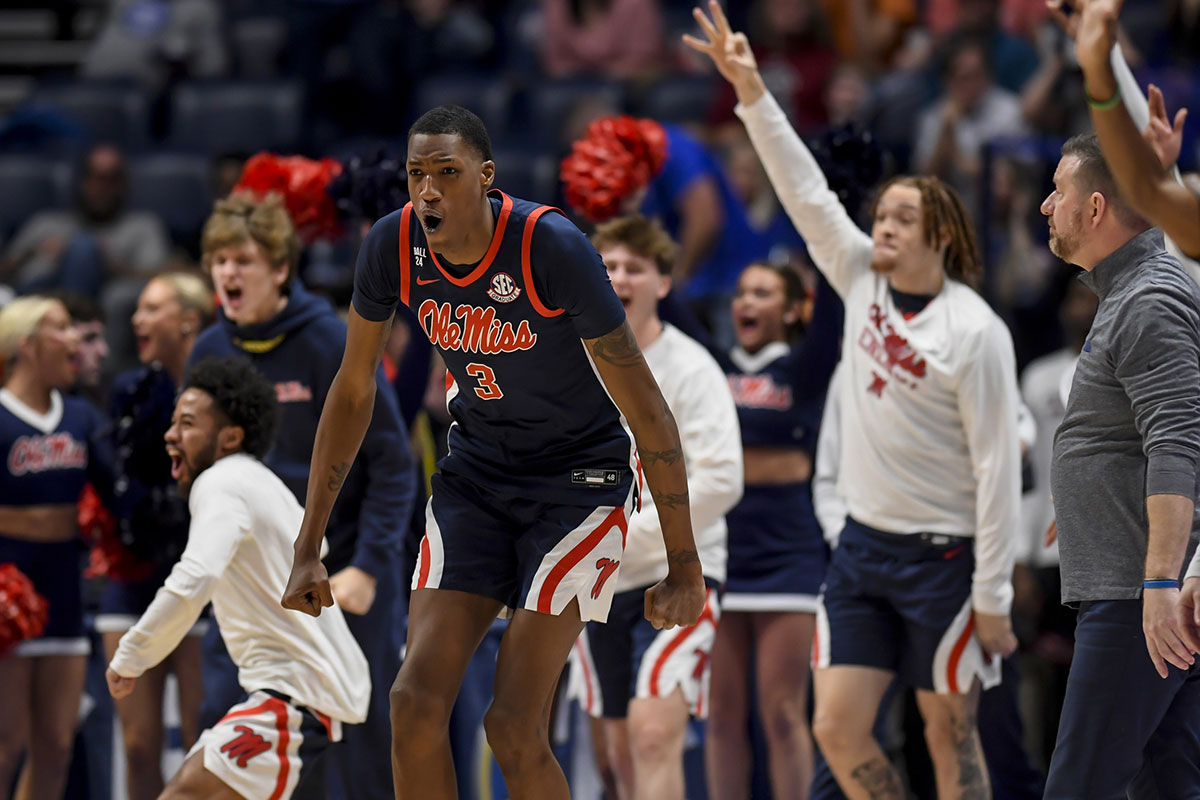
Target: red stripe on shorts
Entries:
(424, 577)
(281, 717)
(956, 653)
(661, 661)
(567, 562)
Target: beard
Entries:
(196, 466)
(1066, 243)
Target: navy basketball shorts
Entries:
(266, 745)
(56, 572)
(776, 551)
(902, 603)
(520, 551)
(123, 603)
(626, 658)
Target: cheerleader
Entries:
(50, 445)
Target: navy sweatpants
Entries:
(1124, 731)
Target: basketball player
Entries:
(532, 500)
(920, 585)
(640, 683)
(303, 677)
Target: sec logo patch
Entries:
(504, 288)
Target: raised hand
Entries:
(1092, 24)
(1164, 139)
(729, 51)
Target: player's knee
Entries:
(784, 717)
(511, 732)
(654, 741)
(837, 731)
(52, 748)
(142, 755)
(414, 712)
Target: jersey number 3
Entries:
(487, 388)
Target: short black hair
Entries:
(81, 307)
(1093, 175)
(243, 395)
(455, 120)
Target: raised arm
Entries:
(344, 421)
(1145, 182)
(679, 598)
(838, 247)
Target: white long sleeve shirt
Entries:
(697, 393)
(239, 555)
(929, 404)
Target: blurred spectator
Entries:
(848, 95)
(1052, 100)
(157, 41)
(972, 110)
(87, 320)
(1183, 31)
(1016, 235)
(763, 211)
(794, 53)
(393, 44)
(869, 32)
(99, 239)
(1013, 58)
(616, 38)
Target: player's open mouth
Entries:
(176, 465)
(430, 222)
(233, 295)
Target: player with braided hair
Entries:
(920, 584)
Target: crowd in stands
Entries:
(109, 172)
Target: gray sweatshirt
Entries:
(1132, 424)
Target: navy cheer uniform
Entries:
(776, 551)
(47, 460)
(539, 478)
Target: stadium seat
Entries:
(116, 112)
(490, 98)
(552, 103)
(678, 98)
(529, 176)
(220, 117)
(178, 188)
(29, 184)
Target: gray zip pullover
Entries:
(1132, 424)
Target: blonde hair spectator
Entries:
(242, 217)
(19, 320)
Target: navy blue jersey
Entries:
(47, 456)
(780, 391)
(529, 409)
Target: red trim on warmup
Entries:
(661, 661)
(816, 647)
(641, 486)
(497, 239)
(577, 554)
(424, 576)
(326, 721)
(956, 653)
(527, 264)
(405, 252)
(587, 676)
(281, 718)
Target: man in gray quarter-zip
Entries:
(1124, 480)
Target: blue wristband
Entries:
(1160, 584)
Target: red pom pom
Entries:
(301, 182)
(108, 557)
(22, 610)
(616, 157)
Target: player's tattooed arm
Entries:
(879, 779)
(618, 347)
(669, 456)
(337, 476)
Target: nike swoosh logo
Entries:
(422, 282)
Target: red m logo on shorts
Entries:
(607, 567)
(246, 746)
